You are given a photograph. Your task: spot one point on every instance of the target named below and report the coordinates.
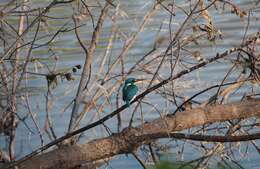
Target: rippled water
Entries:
(69, 53)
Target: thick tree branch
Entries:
(131, 138)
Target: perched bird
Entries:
(130, 90)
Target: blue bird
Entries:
(130, 90)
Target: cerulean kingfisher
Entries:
(130, 90)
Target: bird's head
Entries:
(132, 80)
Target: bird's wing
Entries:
(129, 92)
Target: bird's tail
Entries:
(127, 102)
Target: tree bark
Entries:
(131, 138)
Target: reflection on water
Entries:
(66, 50)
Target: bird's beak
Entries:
(139, 80)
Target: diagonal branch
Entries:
(86, 73)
